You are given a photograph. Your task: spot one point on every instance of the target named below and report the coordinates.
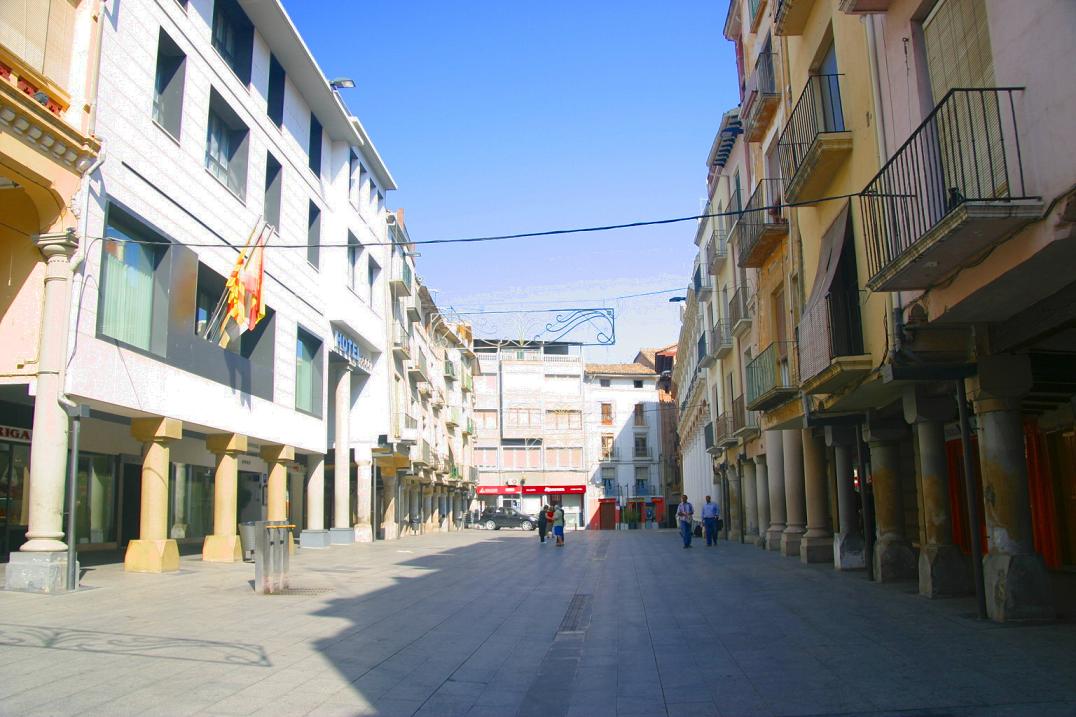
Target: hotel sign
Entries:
(14, 433)
(345, 346)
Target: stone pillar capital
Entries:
(229, 443)
(840, 436)
(276, 453)
(57, 244)
(921, 406)
(156, 429)
(1000, 383)
(883, 430)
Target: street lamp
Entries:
(674, 299)
(342, 83)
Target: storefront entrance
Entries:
(14, 496)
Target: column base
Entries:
(364, 533)
(222, 549)
(760, 540)
(341, 536)
(894, 560)
(849, 552)
(734, 536)
(773, 538)
(392, 531)
(816, 548)
(314, 539)
(37, 572)
(151, 556)
(790, 542)
(1017, 588)
(944, 571)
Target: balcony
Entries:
(862, 7)
(706, 358)
(644, 489)
(422, 455)
(424, 388)
(814, 142)
(468, 427)
(413, 310)
(739, 310)
(722, 339)
(762, 224)
(771, 378)
(417, 367)
(450, 370)
(611, 491)
(701, 284)
(718, 250)
(466, 381)
(744, 422)
(401, 341)
(790, 17)
(761, 99)
(723, 433)
(708, 438)
(408, 428)
(642, 453)
(608, 454)
(401, 281)
(830, 344)
(452, 417)
(954, 190)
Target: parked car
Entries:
(497, 518)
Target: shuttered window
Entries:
(40, 33)
(958, 46)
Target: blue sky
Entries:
(502, 117)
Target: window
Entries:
(642, 481)
(360, 184)
(373, 271)
(226, 146)
(485, 457)
(314, 145)
(128, 302)
(603, 382)
(523, 417)
(563, 420)
(609, 480)
(275, 96)
(354, 253)
(641, 449)
(95, 490)
(233, 37)
(373, 192)
(308, 372)
(208, 311)
(273, 181)
(313, 235)
(563, 458)
(520, 457)
(640, 414)
(168, 85)
(607, 414)
(608, 452)
(486, 419)
(637, 383)
(380, 202)
(355, 170)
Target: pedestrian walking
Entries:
(543, 525)
(709, 521)
(558, 525)
(685, 513)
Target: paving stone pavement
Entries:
(493, 624)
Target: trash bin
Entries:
(248, 537)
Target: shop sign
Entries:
(14, 433)
(531, 489)
(497, 490)
(345, 346)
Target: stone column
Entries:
(40, 565)
(817, 543)
(277, 458)
(389, 503)
(427, 506)
(295, 501)
(342, 532)
(775, 458)
(762, 490)
(731, 512)
(223, 545)
(154, 551)
(446, 513)
(314, 534)
(893, 556)
(1014, 575)
(750, 504)
(178, 528)
(796, 513)
(848, 545)
(364, 532)
(943, 569)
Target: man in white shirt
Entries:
(685, 513)
(709, 521)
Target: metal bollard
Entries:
(271, 556)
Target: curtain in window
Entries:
(126, 308)
(304, 375)
(218, 150)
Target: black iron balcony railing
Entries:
(708, 433)
(818, 111)
(771, 376)
(718, 250)
(739, 315)
(966, 152)
(723, 431)
(721, 337)
(702, 349)
(760, 98)
(701, 282)
(762, 224)
(742, 419)
(828, 329)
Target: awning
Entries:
(829, 257)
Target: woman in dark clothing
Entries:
(543, 525)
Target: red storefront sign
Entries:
(531, 489)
